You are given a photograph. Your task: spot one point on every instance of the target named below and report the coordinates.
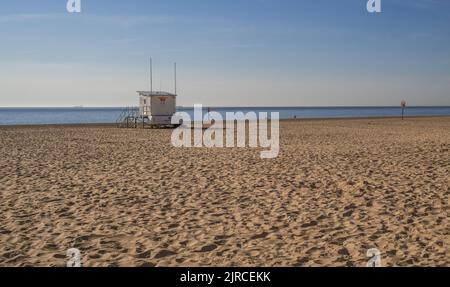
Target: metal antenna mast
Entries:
(151, 76)
(175, 73)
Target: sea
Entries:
(85, 115)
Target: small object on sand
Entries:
(403, 103)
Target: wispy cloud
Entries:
(128, 21)
(27, 17)
(422, 4)
(119, 20)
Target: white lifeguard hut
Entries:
(158, 107)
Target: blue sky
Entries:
(229, 52)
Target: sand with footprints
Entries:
(126, 197)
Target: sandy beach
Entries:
(126, 197)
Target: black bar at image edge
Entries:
(226, 276)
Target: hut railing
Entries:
(129, 118)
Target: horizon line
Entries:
(224, 107)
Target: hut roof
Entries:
(156, 94)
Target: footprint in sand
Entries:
(147, 264)
(164, 253)
(301, 261)
(208, 248)
(259, 236)
(143, 255)
(310, 224)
